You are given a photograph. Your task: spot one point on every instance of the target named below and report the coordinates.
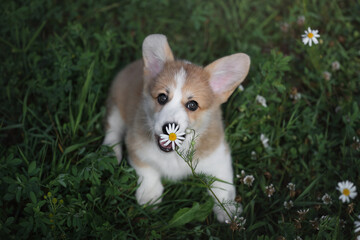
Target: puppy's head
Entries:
(183, 95)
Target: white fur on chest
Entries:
(168, 165)
(172, 166)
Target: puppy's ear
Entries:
(156, 52)
(227, 73)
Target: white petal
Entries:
(309, 29)
(164, 140)
(180, 138)
(173, 145)
(178, 142)
(353, 195)
(167, 129)
(305, 40)
(315, 40)
(180, 134)
(177, 128)
(310, 42)
(167, 143)
(164, 136)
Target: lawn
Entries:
(293, 127)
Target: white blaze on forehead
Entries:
(174, 111)
(179, 78)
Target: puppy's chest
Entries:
(170, 165)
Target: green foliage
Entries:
(58, 60)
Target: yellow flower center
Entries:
(172, 137)
(346, 192)
(310, 35)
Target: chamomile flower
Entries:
(348, 190)
(173, 136)
(310, 37)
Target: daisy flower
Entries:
(310, 37)
(348, 190)
(173, 136)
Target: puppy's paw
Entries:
(234, 209)
(149, 194)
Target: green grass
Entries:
(58, 59)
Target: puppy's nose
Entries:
(169, 126)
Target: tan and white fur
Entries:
(134, 115)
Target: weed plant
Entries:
(297, 119)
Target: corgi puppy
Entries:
(151, 105)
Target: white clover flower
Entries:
(300, 20)
(326, 75)
(269, 190)
(348, 190)
(289, 204)
(303, 211)
(264, 140)
(310, 37)
(296, 96)
(335, 65)
(249, 179)
(326, 199)
(173, 136)
(284, 27)
(261, 100)
(237, 223)
(291, 186)
(241, 88)
(325, 218)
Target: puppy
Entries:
(152, 104)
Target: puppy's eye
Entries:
(162, 99)
(192, 105)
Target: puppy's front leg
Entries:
(225, 193)
(150, 189)
(219, 165)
